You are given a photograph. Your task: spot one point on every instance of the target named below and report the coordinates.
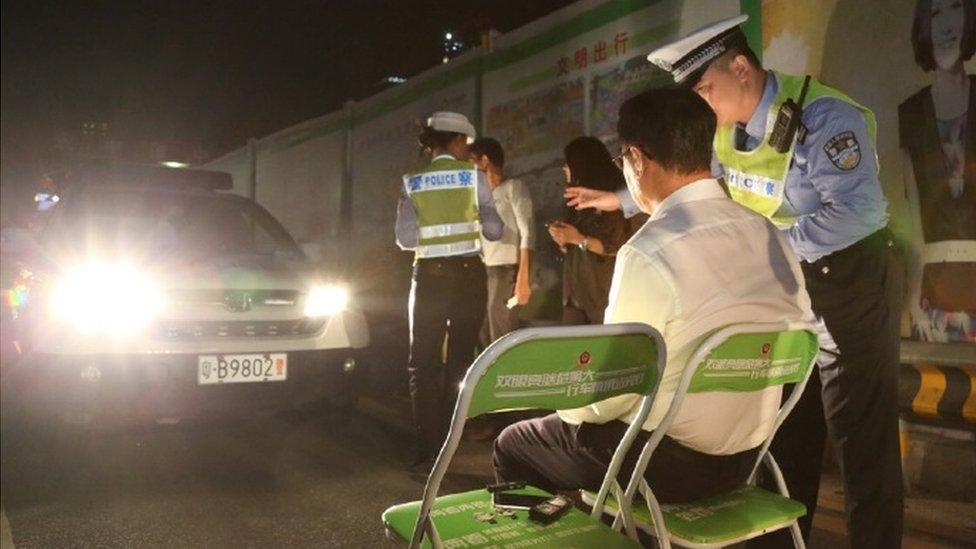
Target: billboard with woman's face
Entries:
(937, 131)
(907, 61)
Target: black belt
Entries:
(455, 261)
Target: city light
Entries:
(174, 164)
(452, 47)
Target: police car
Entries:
(152, 294)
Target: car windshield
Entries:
(188, 225)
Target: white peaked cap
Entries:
(684, 57)
(446, 121)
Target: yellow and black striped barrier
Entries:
(937, 383)
(936, 393)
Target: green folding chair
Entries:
(737, 358)
(536, 368)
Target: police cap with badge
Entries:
(687, 60)
(447, 121)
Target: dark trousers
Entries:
(447, 298)
(575, 315)
(551, 454)
(857, 291)
(499, 319)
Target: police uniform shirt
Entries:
(406, 221)
(837, 201)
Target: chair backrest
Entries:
(564, 367)
(745, 361)
(737, 358)
(553, 368)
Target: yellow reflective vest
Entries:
(757, 178)
(445, 196)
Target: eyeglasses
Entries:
(618, 160)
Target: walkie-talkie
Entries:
(788, 121)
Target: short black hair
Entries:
(490, 148)
(922, 34)
(735, 47)
(673, 126)
(430, 139)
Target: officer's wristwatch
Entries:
(584, 244)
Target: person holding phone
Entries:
(588, 239)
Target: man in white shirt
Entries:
(699, 263)
(507, 259)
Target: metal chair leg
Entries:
(797, 535)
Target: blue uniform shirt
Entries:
(835, 207)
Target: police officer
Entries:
(443, 211)
(818, 181)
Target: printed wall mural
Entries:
(937, 132)
(914, 77)
(532, 123)
(909, 61)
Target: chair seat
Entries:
(455, 517)
(743, 513)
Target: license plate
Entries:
(250, 368)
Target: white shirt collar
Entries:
(448, 156)
(702, 189)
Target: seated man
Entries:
(699, 263)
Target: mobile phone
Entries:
(501, 486)
(518, 501)
(550, 509)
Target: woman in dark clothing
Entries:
(588, 238)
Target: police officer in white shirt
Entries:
(699, 263)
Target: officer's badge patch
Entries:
(464, 177)
(844, 150)
(415, 182)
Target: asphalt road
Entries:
(285, 481)
(271, 482)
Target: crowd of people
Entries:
(763, 205)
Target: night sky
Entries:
(216, 72)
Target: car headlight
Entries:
(106, 298)
(326, 300)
